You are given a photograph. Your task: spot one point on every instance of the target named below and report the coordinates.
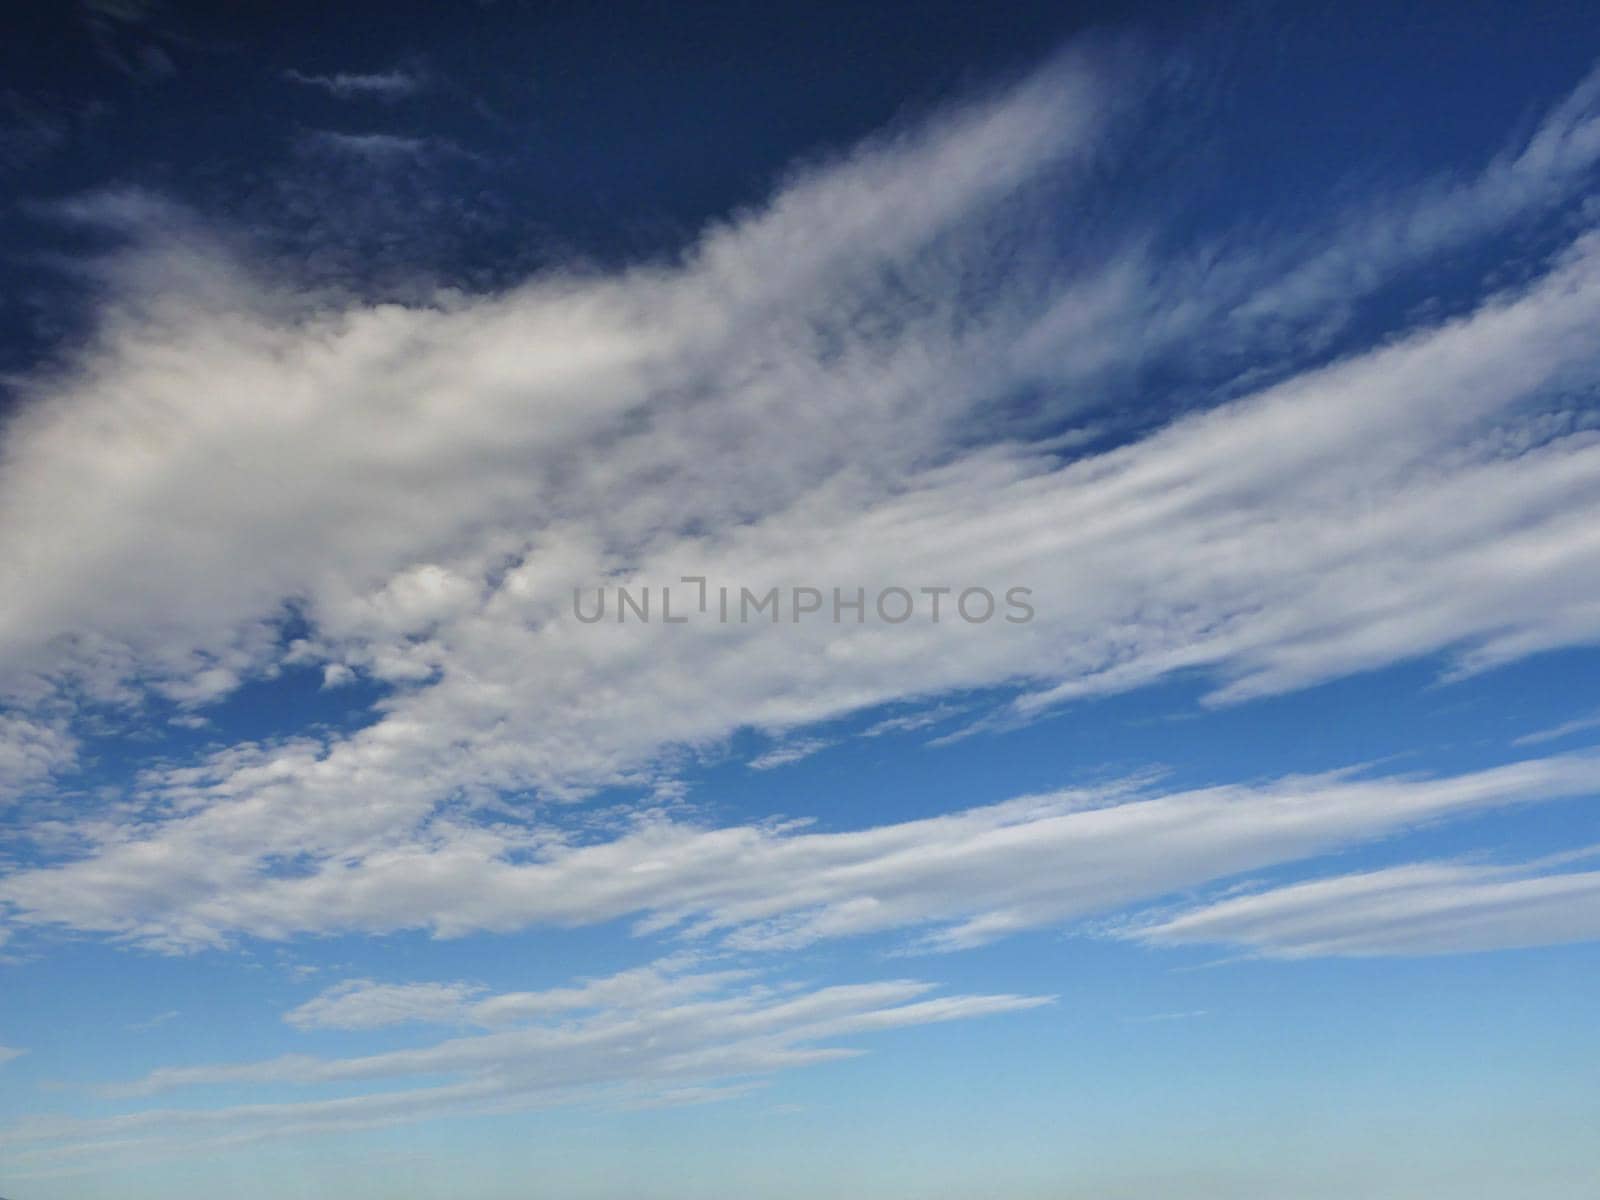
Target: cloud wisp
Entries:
(951, 881)
(1417, 909)
(665, 1034)
(394, 84)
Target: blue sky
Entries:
(1242, 359)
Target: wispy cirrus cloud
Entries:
(1563, 730)
(422, 487)
(786, 753)
(1416, 909)
(154, 1022)
(949, 881)
(127, 35)
(364, 1004)
(393, 84)
(375, 147)
(651, 1036)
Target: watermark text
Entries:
(694, 597)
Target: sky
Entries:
(777, 601)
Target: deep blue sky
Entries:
(619, 134)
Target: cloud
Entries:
(954, 880)
(29, 130)
(416, 490)
(1162, 1018)
(352, 508)
(7, 1053)
(785, 753)
(31, 752)
(1417, 909)
(394, 84)
(154, 1022)
(363, 1004)
(125, 36)
(372, 147)
(646, 1037)
(606, 350)
(1555, 732)
(912, 722)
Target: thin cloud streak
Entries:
(388, 85)
(952, 881)
(1417, 909)
(645, 1038)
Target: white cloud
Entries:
(31, 752)
(645, 1037)
(7, 1053)
(363, 1004)
(812, 393)
(340, 481)
(375, 148)
(956, 880)
(911, 722)
(1564, 729)
(1420, 908)
(154, 1022)
(393, 84)
(785, 753)
(380, 149)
